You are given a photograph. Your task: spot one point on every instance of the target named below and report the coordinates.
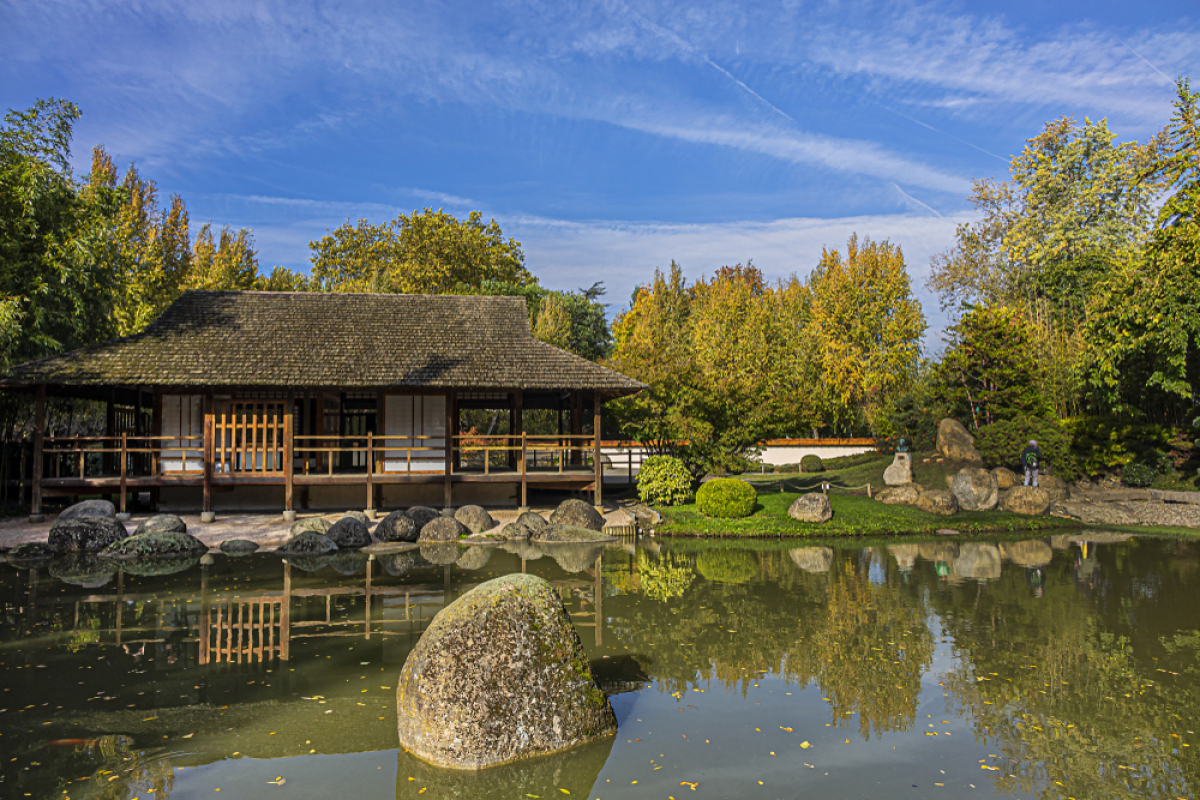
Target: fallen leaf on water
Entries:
(564, 791)
(805, 745)
(789, 730)
(689, 784)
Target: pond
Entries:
(1060, 667)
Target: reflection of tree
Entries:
(1065, 686)
(665, 576)
(865, 644)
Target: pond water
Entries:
(1055, 667)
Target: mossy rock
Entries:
(157, 566)
(349, 533)
(85, 534)
(812, 463)
(569, 533)
(727, 566)
(397, 526)
(422, 515)
(726, 498)
(161, 523)
(475, 518)
(30, 551)
(83, 569)
(442, 529)
(532, 521)
(500, 675)
(577, 513)
(311, 524)
(156, 545)
(361, 516)
(238, 547)
(516, 531)
(308, 544)
(88, 508)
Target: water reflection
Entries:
(1069, 666)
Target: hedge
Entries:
(726, 498)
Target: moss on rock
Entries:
(154, 545)
(85, 534)
(308, 543)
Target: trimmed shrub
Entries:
(726, 498)
(843, 462)
(1139, 475)
(664, 481)
(1000, 445)
(727, 566)
(812, 463)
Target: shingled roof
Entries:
(310, 339)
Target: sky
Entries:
(608, 138)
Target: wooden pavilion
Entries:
(278, 399)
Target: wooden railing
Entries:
(322, 453)
(90, 456)
(525, 452)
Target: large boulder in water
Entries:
(954, 442)
(85, 534)
(161, 523)
(308, 544)
(397, 526)
(440, 554)
(349, 533)
(534, 522)
(158, 566)
(575, 557)
(499, 675)
(975, 489)
(156, 545)
(812, 559)
(811, 507)
(88, 508)
(238, 547)
(1028, 500)
(442, 529)
(475, 518)
(311, 524)
(569, 534)
(475, 558)
(577, 513)
(83, 569)
(396, 564)
(350, 562)
(422, 515)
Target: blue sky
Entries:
(607, 137)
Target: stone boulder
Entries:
(906, 495)
(516, 531)
(422, 515)
(899, 472)
(1028, 500)
(476, 518)
(555, 533)
(954, 442)
(88, 508)
(311, 524)
(812, 559)
(440, 554)
(308, 543)
(975, 489)
(499, 675)
(349, 533)
(532, 521)
(85, 534)
(475, 558)
(1005, 478)
(978, 561)
(1034, 553)
(1093, 513)
(238, 547)
(937, 501)
(167, 544)
(161, 523)
(1055, 487)
(812, 507)
(442, 529)
(579, 514)
(397, 526)
(360, 516)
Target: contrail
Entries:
(915, 200)
(943, 133)
(761, 99)
(1148, 64)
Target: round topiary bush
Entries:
(664, 481)
(727, 498)
(727, 566)
(812, 463)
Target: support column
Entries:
(289, 459)
(110, 425)
(450, 420)
(206, 513)
(576, 427)
(597, 463)
(155, 455)
(39, 434)
(516, 427)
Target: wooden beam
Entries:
(39, 435)
(597, 464)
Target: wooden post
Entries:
(449, 499)
(598, 591)
(524, 467)
(597, 464)
(576, 427)
(124, 468)
(209, 452)
(110, 425)
(285, 614)
(155, 455)
(289, 429)
(516, 426)
(39, 433)
(370, 470)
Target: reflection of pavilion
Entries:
(258, 626)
